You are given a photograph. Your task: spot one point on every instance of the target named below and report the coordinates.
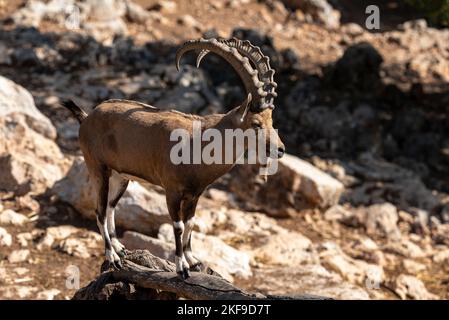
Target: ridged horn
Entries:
(239, 63)
(261, 63)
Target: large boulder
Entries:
(140, 209)
(29, 158)
(221, 257)
(296, 185)
(16, 99)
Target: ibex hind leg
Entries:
(100, 179)
(174, 208)
(194, 263)
(117, 187)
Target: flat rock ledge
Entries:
(145, 276)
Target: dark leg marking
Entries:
(174, 204)
(188, 212)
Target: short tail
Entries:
(79, 113)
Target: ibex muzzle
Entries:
(125, 140)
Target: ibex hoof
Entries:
(114, 259)
(118, 247)
(184, 274)
(198, 267)
(117, 265)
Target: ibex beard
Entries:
(124, 140)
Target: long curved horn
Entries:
(260, 61)
(239, 63)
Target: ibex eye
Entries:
(257, 125)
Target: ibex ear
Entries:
(243, 109)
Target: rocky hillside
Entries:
(359, 208)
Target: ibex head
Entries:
(257, 76)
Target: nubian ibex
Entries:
(123, 140)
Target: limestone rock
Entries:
(16, 99)
(296, 185)
(318, 187)
(28, 160)
(386, 181)
(165, 6)
(45, 242)
(160, 248)
(5, 238)
(320, 11)
(310, 278)
(61, 232)
(136, 13)
(221, 257)
(10, 217)
(405, 248)
(106, 9)
(49, 294)
(17, 292)
(441, 234)
(337, 213)
(190, 22)
(409, 287)
(82, 246)
(441, 256)
(285, 248)
(23, 238)
(101, 19)
(354, 270)
(17, 256)
(380, 219)
(74, 247)
(210, 217)
(413, 267)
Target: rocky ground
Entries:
(359, 209)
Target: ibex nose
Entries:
(281, 151)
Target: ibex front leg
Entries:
(174, 203)
(189, 208)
